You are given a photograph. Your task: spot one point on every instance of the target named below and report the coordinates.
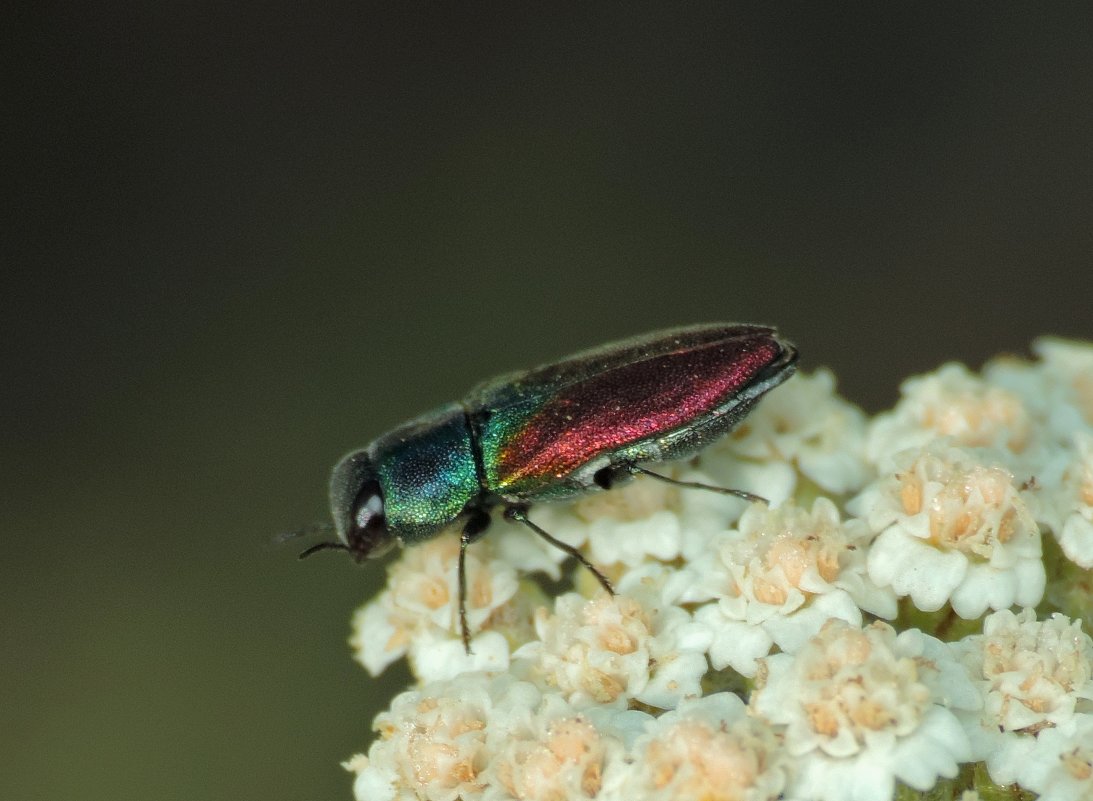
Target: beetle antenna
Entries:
(747, 496)
(323, 546)
(519, 514)
(304, 531)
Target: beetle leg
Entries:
(473, 529)
(747, 496)
(519, 514)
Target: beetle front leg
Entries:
(474, 528)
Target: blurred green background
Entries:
(243, 239)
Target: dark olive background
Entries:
(246, 238)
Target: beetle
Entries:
(566, 429)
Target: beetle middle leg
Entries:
(520, 514)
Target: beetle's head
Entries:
(356, 504)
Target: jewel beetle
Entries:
(579, 425)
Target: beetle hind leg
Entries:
(747, 496)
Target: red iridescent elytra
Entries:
(662, 396)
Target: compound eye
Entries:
(368, 536)
(369, 507)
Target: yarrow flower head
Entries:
(952, 530)
(1031, 676)
(551, 751)
(1073, 503)
(608, 649)
(861, 708)
(779, 575)
(908, 613)
(955, 405)
(707, 748)
(1068, 367)
(432, 742)
(416, 614)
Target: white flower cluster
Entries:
(906, 610)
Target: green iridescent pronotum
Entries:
(579, 425)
